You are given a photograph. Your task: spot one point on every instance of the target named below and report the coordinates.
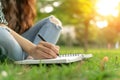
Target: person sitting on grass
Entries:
(19, 39)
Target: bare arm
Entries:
(42, 50)
(24, 43)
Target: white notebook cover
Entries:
(66, 58)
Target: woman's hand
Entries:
(41, 51)
(44, 50)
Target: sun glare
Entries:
(108, 7)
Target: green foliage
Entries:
(69, 11)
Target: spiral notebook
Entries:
(63, 58)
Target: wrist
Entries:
(32, 50)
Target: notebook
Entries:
(63, 58)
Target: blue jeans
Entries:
(10, 47)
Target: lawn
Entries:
(89, 69)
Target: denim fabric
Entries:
(10, 47)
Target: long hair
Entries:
(20, 14)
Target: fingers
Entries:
(47, 52)
(44, 56)
(52, 47)
(58, 48)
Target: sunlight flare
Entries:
(108, 7)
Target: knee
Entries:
(10, 45)
(4, 35)
(55, 20)
(3, 31)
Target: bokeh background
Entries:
(86, 23)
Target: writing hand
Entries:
(45, 50)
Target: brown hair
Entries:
(20, 14)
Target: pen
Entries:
(43, 39)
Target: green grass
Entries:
(84, 70)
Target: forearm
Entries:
(24, 43)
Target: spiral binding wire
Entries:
(68, 55)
